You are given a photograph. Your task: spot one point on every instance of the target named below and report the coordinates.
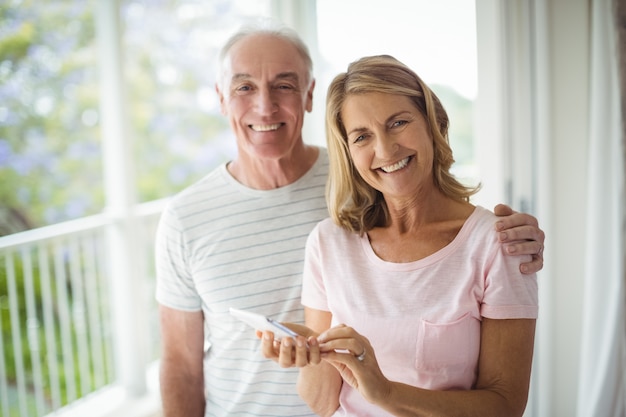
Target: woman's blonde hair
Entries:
(352, 202)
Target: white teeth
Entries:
(398, 165)
(265, 128)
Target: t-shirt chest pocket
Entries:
(449, 347)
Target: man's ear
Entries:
(220, 95)
(309, 96)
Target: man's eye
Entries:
(285, 87)
(243, 88)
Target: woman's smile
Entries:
(397, 166)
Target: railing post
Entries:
(129, 327)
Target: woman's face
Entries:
(390, 143)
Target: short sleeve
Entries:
(174, 284)
(313, 288)
(509, 294)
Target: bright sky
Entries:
(436, 38)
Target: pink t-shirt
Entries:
(423, 317)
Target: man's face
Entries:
(265, 93)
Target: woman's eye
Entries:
(358, 139)
(398, 123)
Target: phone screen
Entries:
(260, 322)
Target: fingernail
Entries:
(499, 226)
(502, 236)
(511, 249)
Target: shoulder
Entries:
(484, 214)
(323, 153)
(478, 233)
(321, 166)
(328, 226)
(207, 191)
(322, 159)
(211, 182)
(328, 234)
(481, 219)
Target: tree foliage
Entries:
(50, 123)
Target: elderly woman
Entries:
(411, 306)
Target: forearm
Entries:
(403, 400)
(501, 388)
(182, 391)
(319, 386)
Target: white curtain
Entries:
(602, 388)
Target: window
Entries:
(170, 51)
(49, 146)
(50, 122)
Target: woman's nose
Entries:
(386, 146)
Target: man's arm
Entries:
(181, 369)
(522, 236)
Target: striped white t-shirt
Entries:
(219, 245)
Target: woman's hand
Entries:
(353, 356)
(341, 346)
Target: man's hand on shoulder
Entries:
(521, 235)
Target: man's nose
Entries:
(266, 101)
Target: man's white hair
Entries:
(265, 26)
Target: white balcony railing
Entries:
(61, 311)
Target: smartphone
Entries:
(260, 322)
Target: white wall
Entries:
(568, 32)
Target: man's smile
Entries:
(265, 128)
